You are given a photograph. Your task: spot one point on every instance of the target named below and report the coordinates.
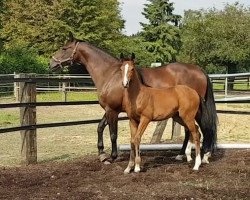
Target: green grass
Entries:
(71, 96)
(10, 117)
(239, 86)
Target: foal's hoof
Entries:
(127, 170)
(137, 169)
(196, 168)
(179, 157)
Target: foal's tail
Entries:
(208, 119)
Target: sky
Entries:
(131, 10)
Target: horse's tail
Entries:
(208, 119)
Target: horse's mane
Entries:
(99, 51)
(139, 72)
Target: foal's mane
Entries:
(139, 72)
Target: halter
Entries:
(67, 59)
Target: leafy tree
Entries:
(21, 59)
(45, 24)
(217, 40)
(161, 34)
(133, 44)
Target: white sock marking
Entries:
(188, 151)
(197, 162)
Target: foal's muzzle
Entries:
(125, 85)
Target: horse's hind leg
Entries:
(112, 119)
(184, 146)
(101, 126)
(196, 139)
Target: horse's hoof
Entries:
(205, 158)
(205, 161)
(196, 168)
(106, 162)
(103, 157)
(127, 171)
(137, 169)
(179, 157)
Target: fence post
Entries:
(226, 86)
(64, 90)
(16, 88)
(27, 94)
(176, 130)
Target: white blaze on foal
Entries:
(125, 78)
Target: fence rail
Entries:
(28, 104)
(221, 79)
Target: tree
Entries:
(44, 24)
(2, 10)
(133, 44)
(217, 40)
(161, 34)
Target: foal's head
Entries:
(127, 68)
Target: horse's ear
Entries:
(71, 37)
(133, 56)
(121, 57)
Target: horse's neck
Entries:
(100, 65)
(135, 87)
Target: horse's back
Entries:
(176, 74)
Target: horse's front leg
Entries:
(137, 140)
(112, 119)
(101, 126)
(133, 128)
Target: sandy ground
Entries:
(226, 177)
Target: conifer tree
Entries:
(161, 33)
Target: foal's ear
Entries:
(121, 57)
(71, 37)
(133, 56)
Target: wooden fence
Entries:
(28, 104)
(221, 80)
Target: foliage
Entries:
(161, 35)
(20, 59)
(133, 44)
(44, 24)
(217, 40)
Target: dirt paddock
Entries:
(226, 177)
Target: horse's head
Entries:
(66, 55)
(127, 68)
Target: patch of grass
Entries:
(9, 118)
(237, 86)
(71, 96)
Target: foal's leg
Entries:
(137, 140)
(133, 129)
(101, 126)
(196, 139)
(112, 119)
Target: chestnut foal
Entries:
(145, 104)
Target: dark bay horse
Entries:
(145, 104)
(105, 72)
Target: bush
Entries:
(21, 59)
